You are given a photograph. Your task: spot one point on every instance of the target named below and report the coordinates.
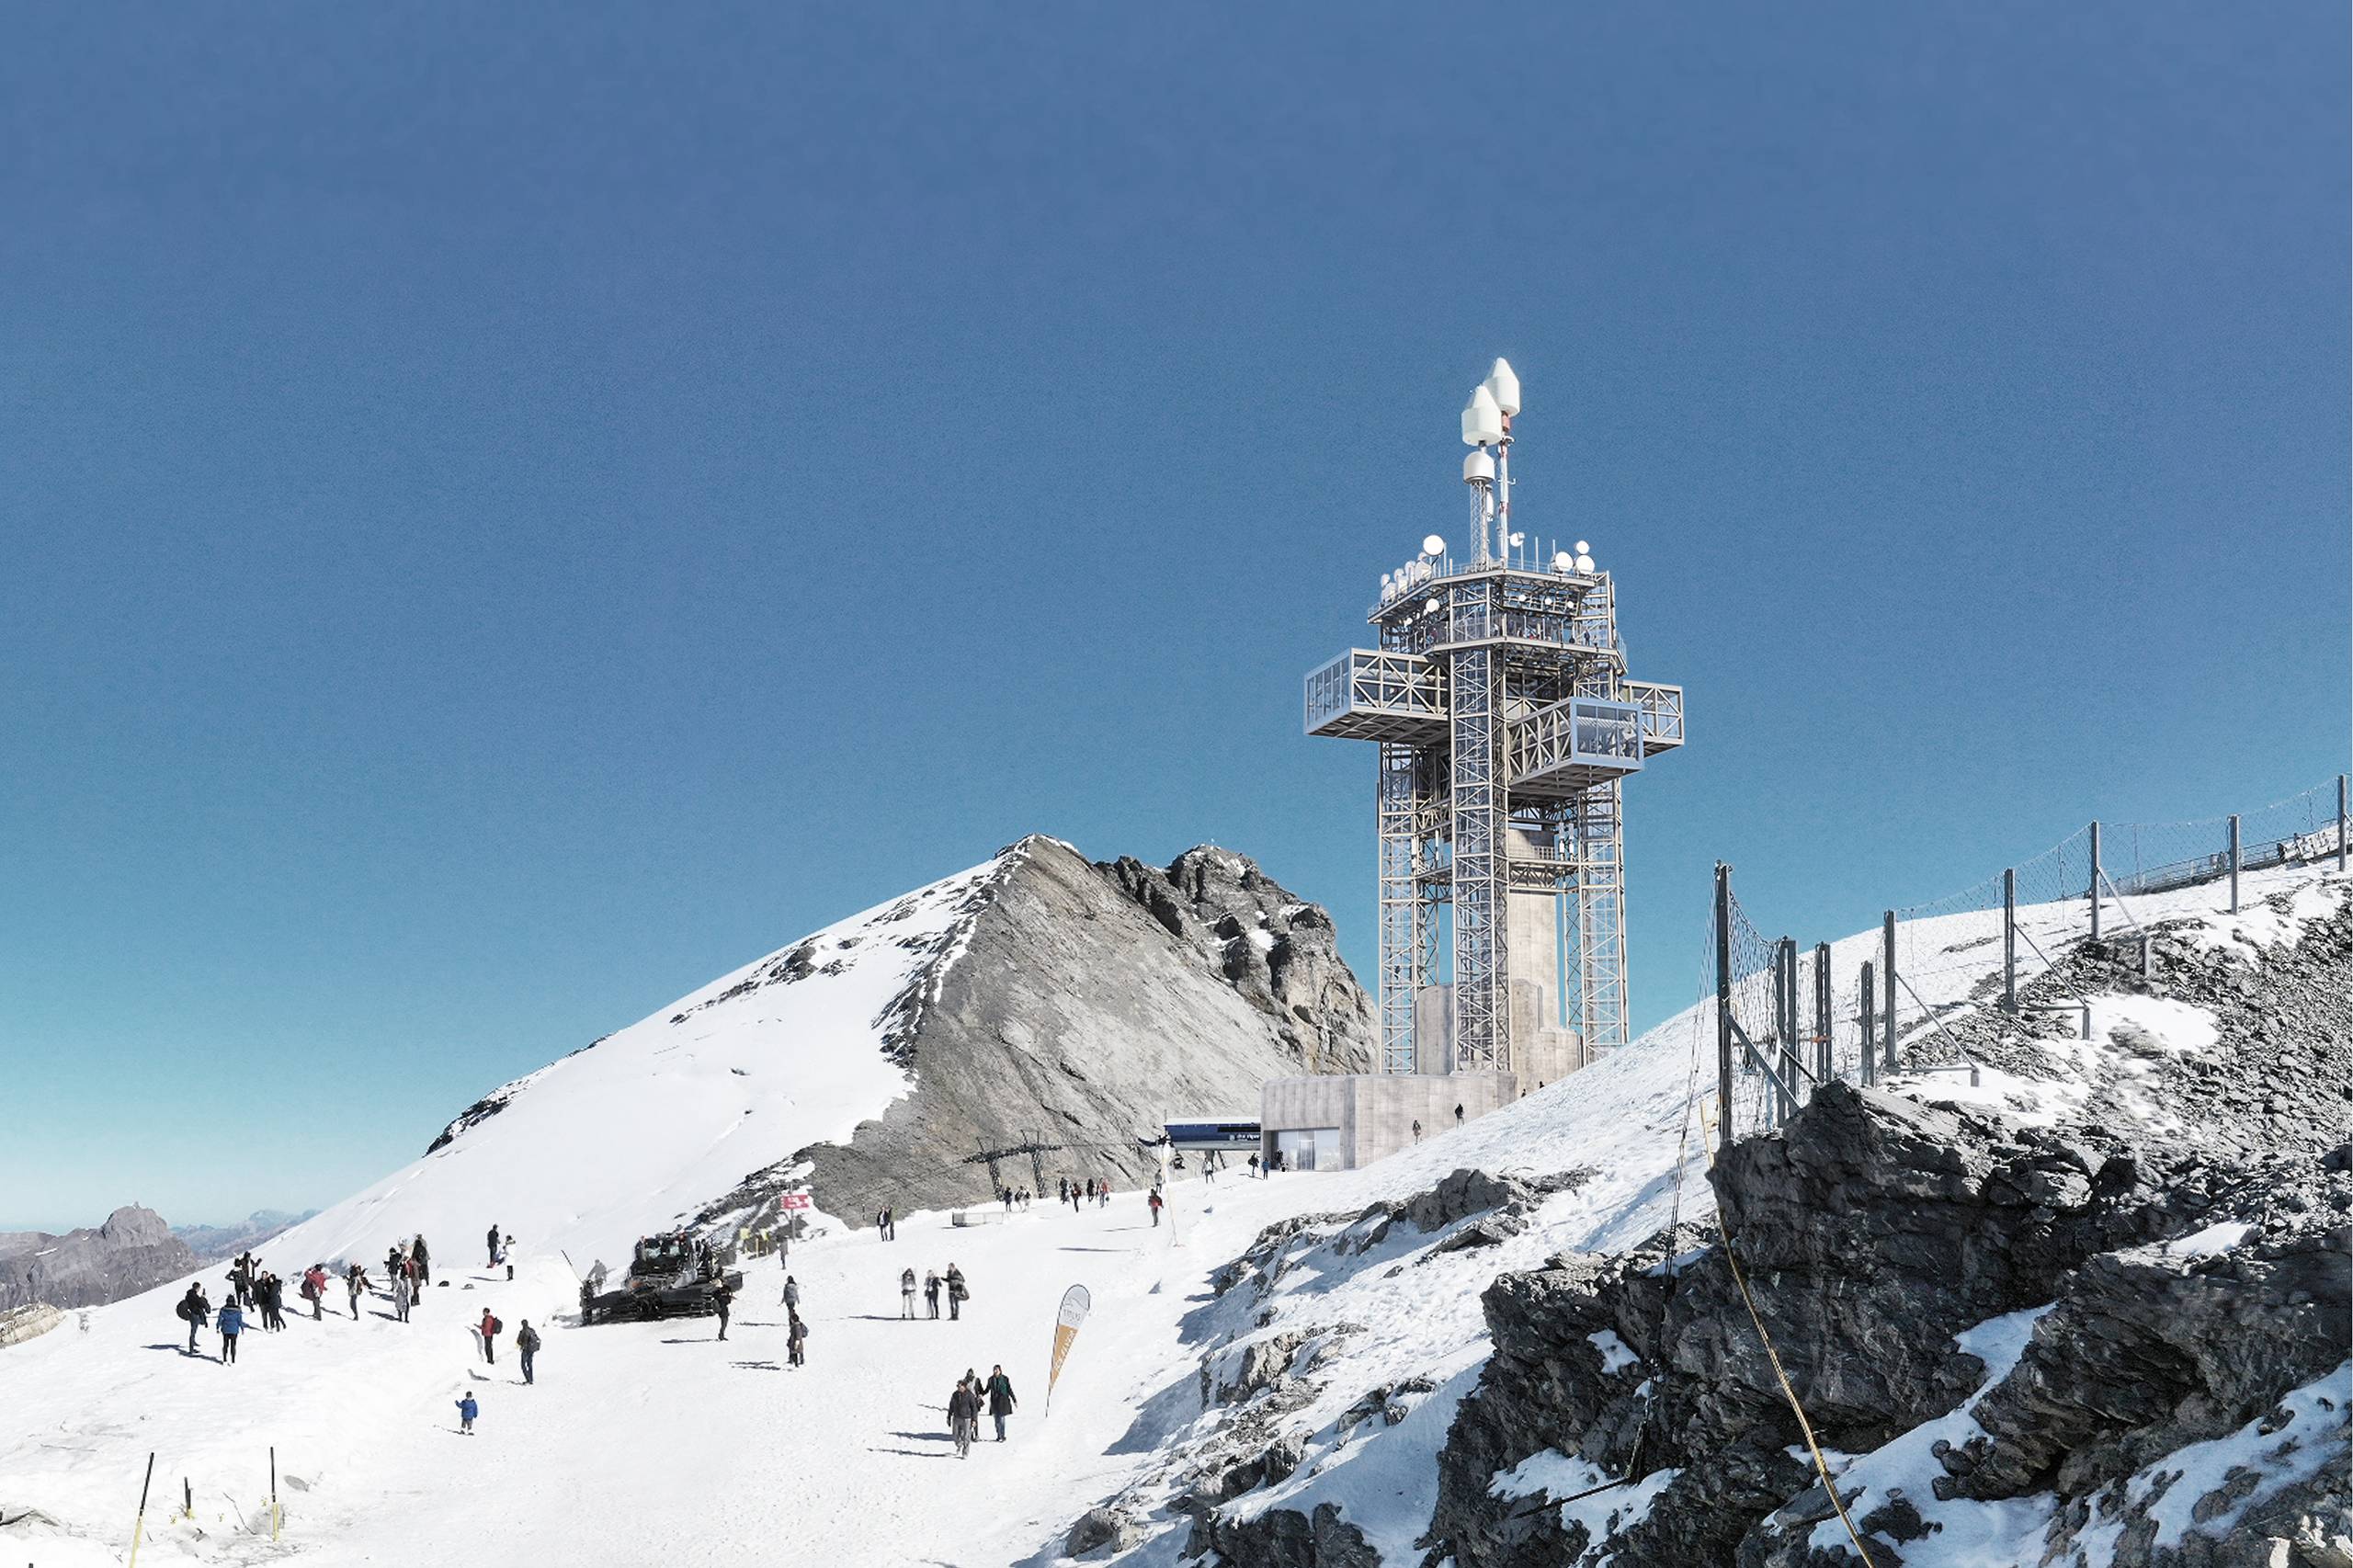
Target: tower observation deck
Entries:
(1505, 726)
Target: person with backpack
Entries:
(931, 1292)
(791, 1292)
(467, 1411)
(195, 1311)
(1000, 1400)
(907, 1292)
(356, 1281)
(722, 1299)
(956, 1292)
(489, 1328)
(796, 1336)
(527, 1345)
(232, 1323)
(315, 1291)
(964, 1417)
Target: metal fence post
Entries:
(1869, 1013)
(1822, 1012)
(2340, 821)
(1724, 1005)
(2009, 940)
(1781, 1027)
(2095, 879)
(1887, 1024)
(2234, 862)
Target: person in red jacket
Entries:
(489, 1329)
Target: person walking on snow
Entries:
(964, 1417)
(1000, 1400)
(1155, 1203)
(467, 1411)
(423, 1260)
(791, 1293)
(931, 1292)
(356, 1281)
(232, 1323)
(907, 1292)
(796, 1336)
(722, 1299)
(401, 1294)
(527, 1345)
(956, 1292)
(488, 1328)
(195, 1311)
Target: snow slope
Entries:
(650, 1123)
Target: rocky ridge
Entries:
(133, 1250)
(1075, 1007)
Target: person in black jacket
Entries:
(964, 1417)
(722, 1299)
(195, 1311)
(956, 1292)
(527, 1343)
(1000, 1400)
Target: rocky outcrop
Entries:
(2191, 1294)
(1078, 1007)
(2026, 1338)
(134, 1250)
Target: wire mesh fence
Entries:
(1798, 1016)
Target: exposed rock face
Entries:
(1874, 1232)
(1082, 1005)
(2039, 1329)
(132, 1251)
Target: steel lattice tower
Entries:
(1506, 727)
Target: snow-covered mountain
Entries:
(1432, 1359)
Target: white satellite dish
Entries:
(1584, 563)
(1504, 386)
(1433, 546)
(1482, 420)
(1478, 468)
(1518, 540)
(1432, 607)
(1583, 547)
(1563, 561)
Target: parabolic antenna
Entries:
(1433, 546)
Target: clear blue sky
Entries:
(511, 513)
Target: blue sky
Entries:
(512, 513)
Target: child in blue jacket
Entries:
(467, 1411)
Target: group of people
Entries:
(973, 1394)
(951, 1284)
(1078, 1195)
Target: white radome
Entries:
(1583, 547)
(1584, 563)
(1478, 468)
(1563, 561)
(1482, 419)
(1433, 546)
(1503, 385)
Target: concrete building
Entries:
(1506, 727)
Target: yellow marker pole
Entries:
(139, 1525)
(277, 1514)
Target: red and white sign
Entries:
(793, 1200)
